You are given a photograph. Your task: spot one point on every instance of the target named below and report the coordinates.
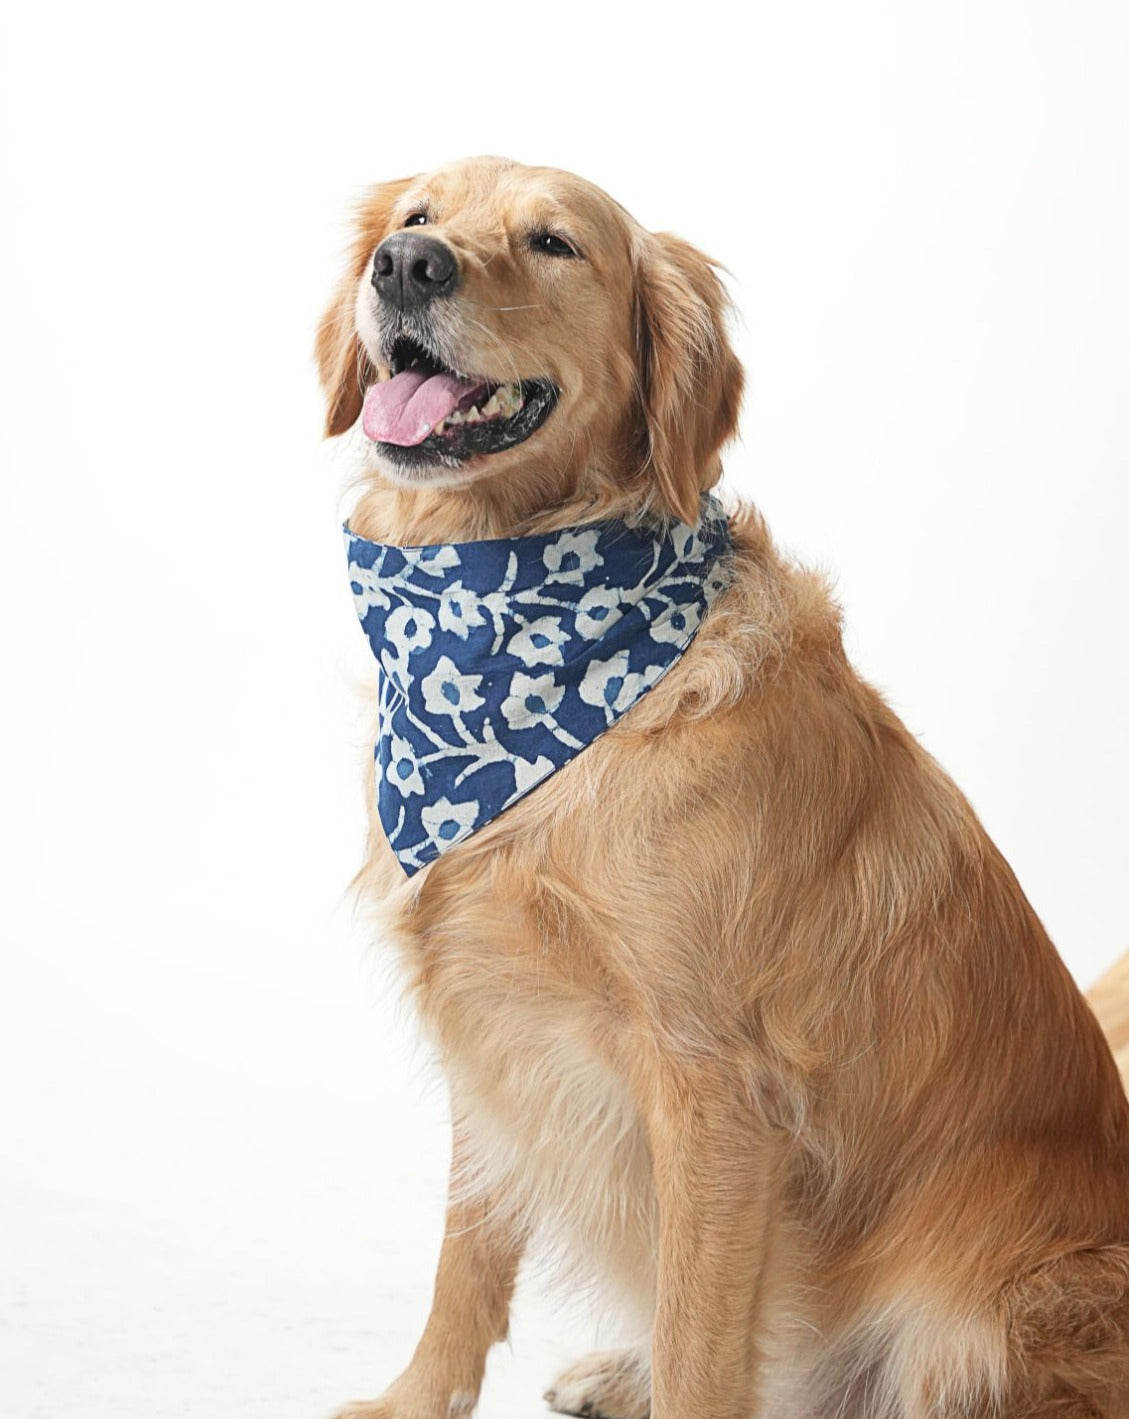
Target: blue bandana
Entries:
(503, 659)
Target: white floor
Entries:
(229, 1219)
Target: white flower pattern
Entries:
(409, 628)
(403, 769)
(459, 611)
(446, 821)
(597, 611)
(676, 624)
(572, 555)
(448, 691)
(368, 589)
(532, 700)
(504, 659)
(540, 642)
(432, 561)
(611, 685)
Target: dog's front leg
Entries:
(716, 1166)
(470, 1309)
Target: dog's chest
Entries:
(525, 1028)
(528, 1038)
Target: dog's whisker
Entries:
(505, 347)
(536, 305)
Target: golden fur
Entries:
(742, 1006)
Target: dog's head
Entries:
(497, 320)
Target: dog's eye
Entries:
(417, 219)
(551, 244)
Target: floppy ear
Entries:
(342, 363)
(691, 380)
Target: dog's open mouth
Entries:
(426, 413)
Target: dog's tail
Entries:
(1110, 1002)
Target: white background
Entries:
(223, 1166)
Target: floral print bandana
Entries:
(501, 660)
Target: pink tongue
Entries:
(405, 408)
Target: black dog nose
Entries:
(410, 269)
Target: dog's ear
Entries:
(690, 379)
(342, 363)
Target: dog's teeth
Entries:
(440, 426)
(504, 402)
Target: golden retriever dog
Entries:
(741, 1008)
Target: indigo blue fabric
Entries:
(501, 660)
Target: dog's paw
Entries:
(399, 1406)
(611, 1384)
